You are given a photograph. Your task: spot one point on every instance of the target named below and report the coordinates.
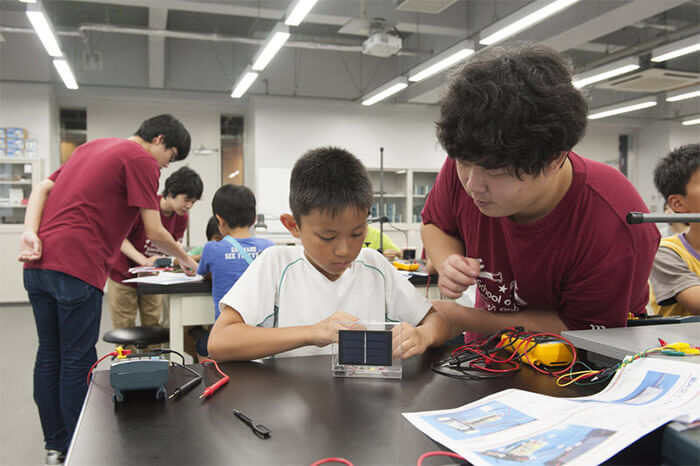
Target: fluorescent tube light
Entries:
(624, 107)
(525, 17)
(692, 120)
(683, 94)
(244, 82)
(65, 73)
(28, 1)
(298, 11)
(275, 40)
(385, 90)
(604, 72)
(442, 60)
(37, 16)
(676, 49)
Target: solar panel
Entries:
(365, 347)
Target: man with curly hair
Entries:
(538, 229)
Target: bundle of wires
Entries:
(590, 376)
(498, 354)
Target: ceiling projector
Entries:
(381, 44)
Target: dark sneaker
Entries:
(55, 457)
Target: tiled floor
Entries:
(21, 440)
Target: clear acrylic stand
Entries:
(365, 350)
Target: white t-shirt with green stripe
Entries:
(281, 288)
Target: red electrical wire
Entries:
(437, 453)
(211, 389)
(113, 353)
(484, 357)
(332, 460)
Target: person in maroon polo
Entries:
(539, 230)
(75, 222)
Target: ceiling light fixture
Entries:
(297, 11)
(244, 82)
(676, 49)
(385, 90)
(683, 94)
(691, 120)
(275, 40)
(523, 18)
(624, 107)
(37, 16)
(65, 73)
(604, 72)
(441, 61)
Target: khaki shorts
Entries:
(124, 303)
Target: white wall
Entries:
(32, 107)
(285, 128)
(654, 142)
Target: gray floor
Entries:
(21, 440)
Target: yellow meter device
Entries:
(549, 352)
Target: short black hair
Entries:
(174, 132)
(672, 174)
(330, 179)
(235, 204)
(212, 227)
(184, 180)
(512, 107)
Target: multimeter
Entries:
(547, 351)
(141, 371)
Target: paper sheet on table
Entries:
(519, 427)
(165, 278)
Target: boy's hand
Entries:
(189, 266)
(150, 260)
(414, 340)
(29, 247)
(457, 274)
(326, 331)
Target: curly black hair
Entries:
(673, 172)
(512, 107)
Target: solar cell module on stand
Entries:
(365, 350)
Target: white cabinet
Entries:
(404, 193)
(17, 177)
(12, 289)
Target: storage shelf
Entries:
(403, 205)
(16, 182)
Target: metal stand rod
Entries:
(634, 218)
(381, 200)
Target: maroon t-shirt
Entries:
(582, 260)
(176, 226)
(92, 206)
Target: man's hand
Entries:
(326, 331)
(150, 260)
(189, 266)
(457, 274)
(29, 247)
(409, 340)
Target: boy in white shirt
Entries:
(293, 300)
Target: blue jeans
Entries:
(67, 313)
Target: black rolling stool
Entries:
(140, 337)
